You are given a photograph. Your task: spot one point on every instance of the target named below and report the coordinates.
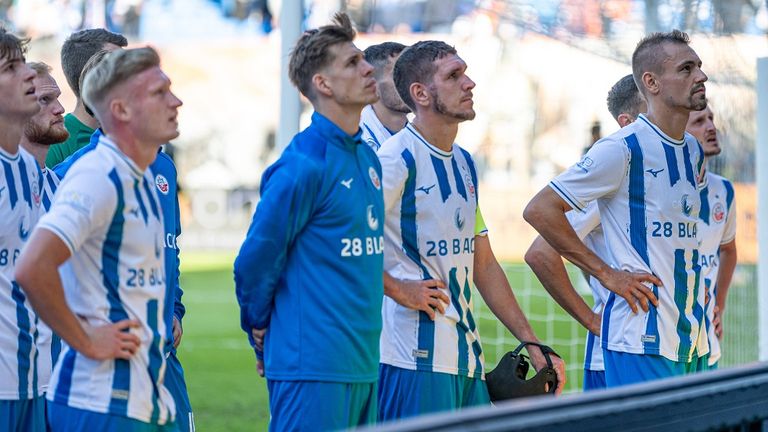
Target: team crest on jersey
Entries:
(458, 219)
(470, 185)
(35, 193)
(718, 213)
(373, 221)
(162, 184)
(374, 178)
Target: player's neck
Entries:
(392, 120)
(671, 122)
(346, 117)
(10, 134)
(81, 114)
(141, 153)
(39, 151)
(440, 134)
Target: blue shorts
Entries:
(26, 415)
(174, 382)
(64, 418)
(320, 406)
(407, 393)
(624, 368)
(714, 365)
(702, 363)
(594, 380)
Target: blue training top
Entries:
(164, 173)
(311, 267)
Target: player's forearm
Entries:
(728, 259)
(546, 214)
(550, 270)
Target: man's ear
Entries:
(320, 85)
(420, 94)
(120, 109)
(625, 119)
(650, 82)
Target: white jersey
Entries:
(19, 212)
(108, 215)
(430, 198)
(718, 216)
(374, 132)
(646, 187)
(588, 229)
(48, 344)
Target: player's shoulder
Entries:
(163, 164)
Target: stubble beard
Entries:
(440, 108)
(45, 136)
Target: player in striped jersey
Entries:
(624, 103)
(164, 174)
(645, 180)
(22, 407)
(106, 217)
(436, 247)
(41, 131)
(385, 117)
(718, 234)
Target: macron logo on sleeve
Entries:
(347, 183)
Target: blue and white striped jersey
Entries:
(588, 229)
(107, 213)
(646, 187)
(374, 133)
(19, 212)
(48, 344)
(431, 203)
(718, 216)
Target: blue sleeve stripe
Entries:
(564, 195)
(638, 230)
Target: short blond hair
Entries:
(114, 69)
(40, 68)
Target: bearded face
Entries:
(46, 131)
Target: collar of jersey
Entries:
(658, 131)
(10, 157)
(108, 143)
(432, 148)
(334, 133)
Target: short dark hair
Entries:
(379, 55)
(646, 57)
(311, 52)
(417, 64)
(624, 98)
(12, 46)
(79, 47)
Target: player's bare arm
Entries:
(492, 283)
(422, 295)
(546, 213)
(37, 273)
(548, 266)
(728, 258)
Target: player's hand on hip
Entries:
(112, 341)
(258, 338)
(424, 295)
(631, 287)
(178, 331)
